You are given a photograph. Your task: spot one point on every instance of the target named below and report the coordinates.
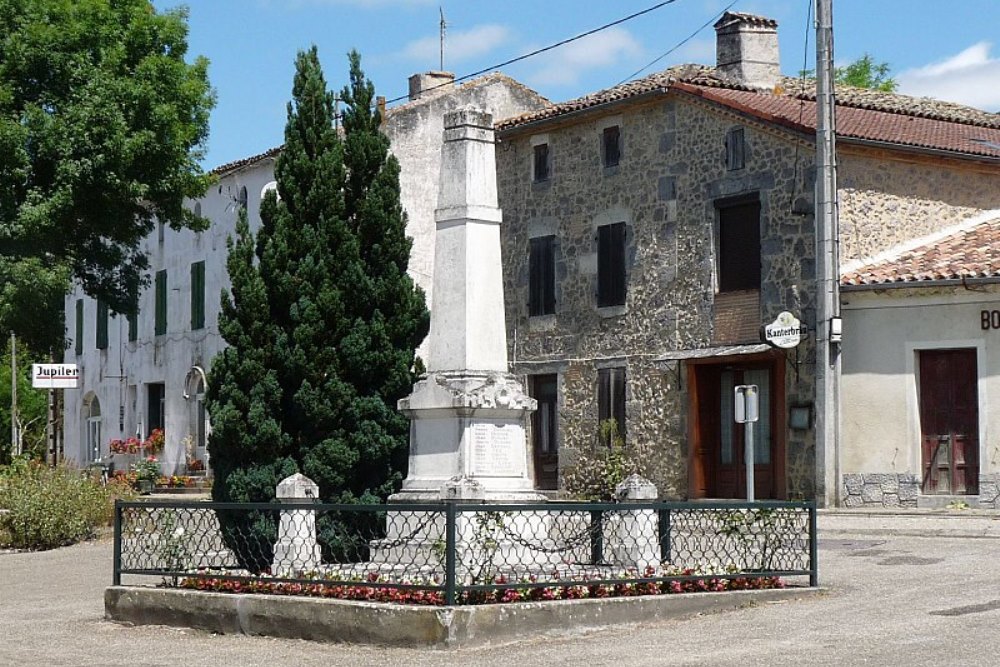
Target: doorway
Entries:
(949, 422)
(717, 465)
(156, 396)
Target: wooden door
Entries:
(949, 422)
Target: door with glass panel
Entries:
(731, 477)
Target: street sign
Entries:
(54, 376)
(747, 406)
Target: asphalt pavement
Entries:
(912, 589)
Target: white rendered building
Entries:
(152, 372)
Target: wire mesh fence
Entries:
(454, 553)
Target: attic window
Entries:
(735, 149)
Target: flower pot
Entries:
(145, 486)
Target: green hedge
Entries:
(52, 507)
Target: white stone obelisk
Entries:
(467, 416)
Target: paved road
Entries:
(897, 598)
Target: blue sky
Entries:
(949, 50)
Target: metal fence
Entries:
(455, 553)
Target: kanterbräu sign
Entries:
(785, 331)
(54, 376)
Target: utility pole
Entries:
(14, 440)
(827, 269)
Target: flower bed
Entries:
(525, 590)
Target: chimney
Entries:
(746, 48)
(421, 83)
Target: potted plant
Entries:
(147, 472)
(154, 443)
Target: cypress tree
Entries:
(327, 316)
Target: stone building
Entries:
(151, 373)
(652, 228)
(922, 370)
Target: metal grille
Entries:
(453, 553)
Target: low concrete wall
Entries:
(397, 625)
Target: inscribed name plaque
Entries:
(495, 449)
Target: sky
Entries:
(949, 50)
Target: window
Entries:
(735, 149)
(102, 326)
(197, 295)
(155, 406)
(611, 398)
(92, 417)
(739, 247)
(545, 450)
(133, 320)
(242, 198)
(542, 276)
(79, 327)
(541, 162)
(160, 319)
(611, 265)
(612, 147)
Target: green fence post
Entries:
(664, 515)
(597, 536)
(813, 565)
(449, 551)
(116, 578)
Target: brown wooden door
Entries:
(949, 422)
(717, 465)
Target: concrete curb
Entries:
(384, 624)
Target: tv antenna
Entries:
(444, 26)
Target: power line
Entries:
(550, 47)
(678, 45)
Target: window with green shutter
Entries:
(197, 295)
(102, 326)
(79, 326)
(160, 326)
(133, 320)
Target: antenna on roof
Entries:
(444, 26)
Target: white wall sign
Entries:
(54, 376)
(747, 403)
(785, 331)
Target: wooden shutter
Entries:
(611, 265)
(612, 146)
(739, 247)
(102, 326)
(541, 162)
(161, 303)
(541, 276)
(79, 327)
(197, 295)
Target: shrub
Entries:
(609, 461)
(53, 507)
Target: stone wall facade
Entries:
(890, 490)
(671, 176)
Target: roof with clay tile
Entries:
(963, 252)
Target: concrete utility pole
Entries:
(827, 269)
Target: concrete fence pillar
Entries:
(632, 536)
(296, 550)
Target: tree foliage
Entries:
(322, 320)
(866, 73)
(102, 123)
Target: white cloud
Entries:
(971, 77)
(459, 45)
(566, 64)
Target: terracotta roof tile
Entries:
(861, 113)
(972, 252)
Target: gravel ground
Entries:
(896, 597)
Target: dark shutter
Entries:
(79, 327)
(611, 397)
(541, 162)
(612, 146)
(161, 303)
(735, 149)
(102, 326)
(739, 247)
(133, 320)
(611, 265)
(542, 276)
(197, 295)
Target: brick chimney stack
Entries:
(746, 48)
(435, 82)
